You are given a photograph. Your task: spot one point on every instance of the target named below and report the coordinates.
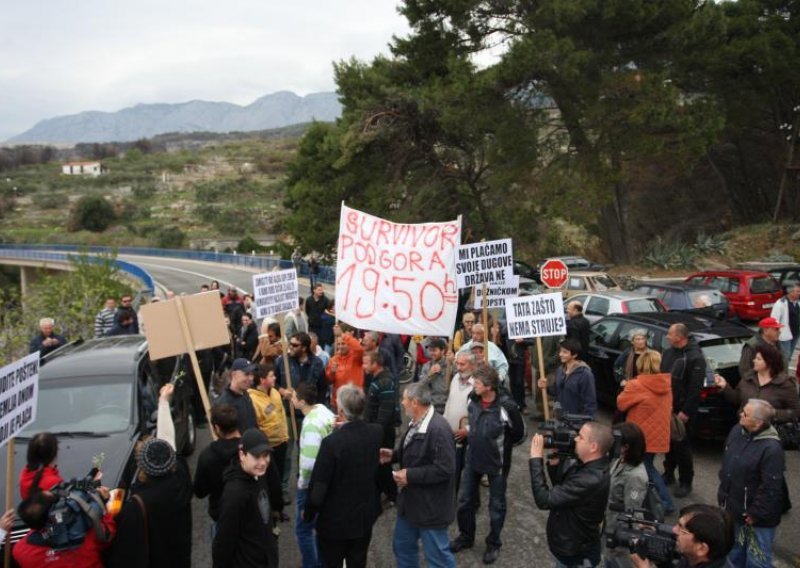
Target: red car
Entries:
(751, 293)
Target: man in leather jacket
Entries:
(576, 501)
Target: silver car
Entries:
(600, 304)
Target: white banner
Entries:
(488, 263)
(496, 294)
(275, 292)
(536, 316)
(396, 277)
(19, 392)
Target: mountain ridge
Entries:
(145, 120)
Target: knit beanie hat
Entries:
(156, 457)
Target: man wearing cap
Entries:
(244, 530)
(434, 374)
(497, 359)
(769, 332)
(236, 395)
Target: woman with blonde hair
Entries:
(648, 403)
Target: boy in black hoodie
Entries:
(244, 527)
(216, 457)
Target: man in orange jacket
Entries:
(346, 365)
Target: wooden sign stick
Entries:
(486, 331)
(545, 402)
(288, 373)
(201, 386)
(9, 497)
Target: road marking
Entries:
(206, 276)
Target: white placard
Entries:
(275, 292)
(536, 316)
(396, 277)
(496, 294)
(489, 262)
(19, 393)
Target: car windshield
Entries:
(705, 298)
(604, 282)
(81, 407)
(723, 352)
(644, 305)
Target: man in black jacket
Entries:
(494, 422)
(687, 365)
(577, 501)
(380, 410)
(343, 488)
(316, 304)
(216, 458)
(752, 484)
(244, 530)
(426, 501)
(236, 395)
(578, 327)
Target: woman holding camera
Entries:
(628, 484)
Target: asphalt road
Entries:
(524, 532)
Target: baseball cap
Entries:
(770, 322)
(242, 364)
(476, 344)
(254, 442)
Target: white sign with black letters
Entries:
(489, 262)
(275, 292)
(536, 316)
(496, 294)
(19, 393)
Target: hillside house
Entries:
(83, 169)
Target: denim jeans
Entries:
(787, 347)
(305, 533)
(661, 487)
(468, 500)
(589, 559)
(435, 546)
(752, 547)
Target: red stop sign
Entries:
(554, 273)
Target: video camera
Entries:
(647, 538)
(559, 434)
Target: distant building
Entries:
(83, 169)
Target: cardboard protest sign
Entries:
(536, 316)
(19, 394)
(275, 292)
(396, 277)
(489, 262)
(164, 331)
(496, 294)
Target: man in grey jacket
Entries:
(426, 480)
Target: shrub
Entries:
(92, 213)
(169, 237)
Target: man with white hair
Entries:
(47, 340)
(497, 359)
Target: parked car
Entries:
(751, 293)
(578, 282)
(720, 341)
(577, 263)
(600, 304)
(688, 298)
(787, 274)
(99, 397)
(525, 270)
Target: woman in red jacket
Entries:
(41, 470)
(647, 399)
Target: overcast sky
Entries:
(62, 58)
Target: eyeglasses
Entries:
(682, 529)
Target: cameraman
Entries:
(703, 538)
(577, 501)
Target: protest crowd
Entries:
(316, 437)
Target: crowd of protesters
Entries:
(310, 410)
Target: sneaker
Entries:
(682, 491)
(491, 554)
(460, 544)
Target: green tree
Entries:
(92, 213)
(170, 237)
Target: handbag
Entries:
(677, 429)
(789, 433)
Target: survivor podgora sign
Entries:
(536, 316)
(19, 393)
(396, 277)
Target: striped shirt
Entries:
(316, 425)
(103, 322)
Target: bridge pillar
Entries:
(28, 275)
